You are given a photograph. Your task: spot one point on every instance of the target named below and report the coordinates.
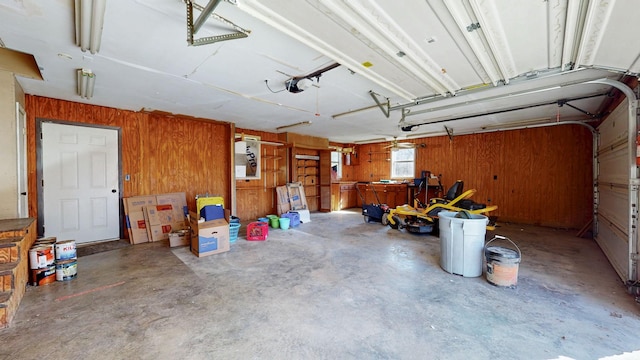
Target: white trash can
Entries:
(462, 243)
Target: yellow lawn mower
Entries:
(423, 220)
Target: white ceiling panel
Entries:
(437, 60)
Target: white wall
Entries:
(8, 146)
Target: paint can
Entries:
(66, 250)
(502, 263)
(45, 241)
(41, 256)
(43, 276)
(66, 269)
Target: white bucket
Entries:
(66, 269)
(41, 256)
(66, 250)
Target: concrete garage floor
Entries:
(334, 288)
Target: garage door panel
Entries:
(616, 197)
(614, 166)
(614, 207)
(615, 246)
(616, 126)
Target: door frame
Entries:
(39, 188)
(21, 162)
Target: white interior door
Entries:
(21, 133)
(80, 182)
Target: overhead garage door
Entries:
(616, 192)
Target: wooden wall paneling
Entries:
(543, 175)
(161, 153)
(522, 165)
(252, 202)
(132, 152)
(307, 141)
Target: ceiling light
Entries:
(86, 83)
(302, 123)
(89, 22)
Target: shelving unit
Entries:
(307, 172)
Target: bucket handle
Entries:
(505, 238)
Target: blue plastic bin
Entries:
(294, 218)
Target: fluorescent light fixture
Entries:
(301, 123)
(86, 83)
(89, 22)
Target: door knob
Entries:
(114, 191)
(23, 193)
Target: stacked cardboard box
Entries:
(153, 217)
(209, 237)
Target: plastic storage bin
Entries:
(212, 212)
(462, 243)
(257, 231)
(294, 218)
(234, 227)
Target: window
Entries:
(336, 165)
(402, 163)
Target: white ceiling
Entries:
(523, 54)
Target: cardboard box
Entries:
(137, 227)
(134, 216)
(282, 196)
(297, 198)
(209, 237)
(179, 203)
(161, 220)
(138, 203)
(180, 238)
